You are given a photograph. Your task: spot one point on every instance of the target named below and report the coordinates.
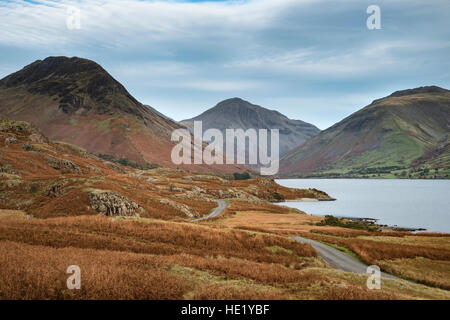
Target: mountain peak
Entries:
(238, 113)
(425, 89)
(76, 83)
(75, 100)
(391, 134)
(234, 102)
(235, 99)
(52, 66)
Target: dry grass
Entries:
(98, 232)
(356, 293)
(123, 259)
(342, 232)
(439, 242)
(371, 251)
(246, 254)
(39, 272)
(227, 292)
(288, 223)
(422, 270)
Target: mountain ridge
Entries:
(77, 101)
(404, 130)
(236, 113)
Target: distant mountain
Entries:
(236, 113)
(75, 100)
(408, 129)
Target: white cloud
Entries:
(214, 85)
(124, 22)
(181, 54)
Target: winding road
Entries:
(221, 206)
(334, 257)
(338, 259)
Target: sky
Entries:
(313, 60)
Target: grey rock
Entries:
(11, 140)
(60, 164)
(111, 203)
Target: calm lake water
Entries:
(405, 203)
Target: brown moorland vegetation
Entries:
(387, 249)
(53, 202)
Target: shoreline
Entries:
(363, 220)
(383, 227)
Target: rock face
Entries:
(110, 203)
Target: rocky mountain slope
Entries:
(49, 179)
(236, 113)
(75, 100)
(406, 130)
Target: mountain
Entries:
(408, 129)
(237, 113)
(75, 100)
(49, 179)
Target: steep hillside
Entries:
(49, 179)
(406, 130)
(236, 113)
(75, 100)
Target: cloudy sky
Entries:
(313, 60)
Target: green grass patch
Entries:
(276, 249)
(343, 249)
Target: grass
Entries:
(246, 253)
(422, 270)
(343, 249)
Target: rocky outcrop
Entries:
(180, 207)
(27, 147)
(6, 168)
(11, 140)
(57, 189)
(22, 128)
(63, 164)
(111, 203)
(114, 166)
(235, 194)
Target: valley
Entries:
(61, 206)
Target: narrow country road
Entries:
(338, 259)
(221, 205)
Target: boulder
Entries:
(11, 140)
(111, 203)
(60, 164)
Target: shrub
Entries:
(241, 176)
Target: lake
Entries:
(401, 202)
